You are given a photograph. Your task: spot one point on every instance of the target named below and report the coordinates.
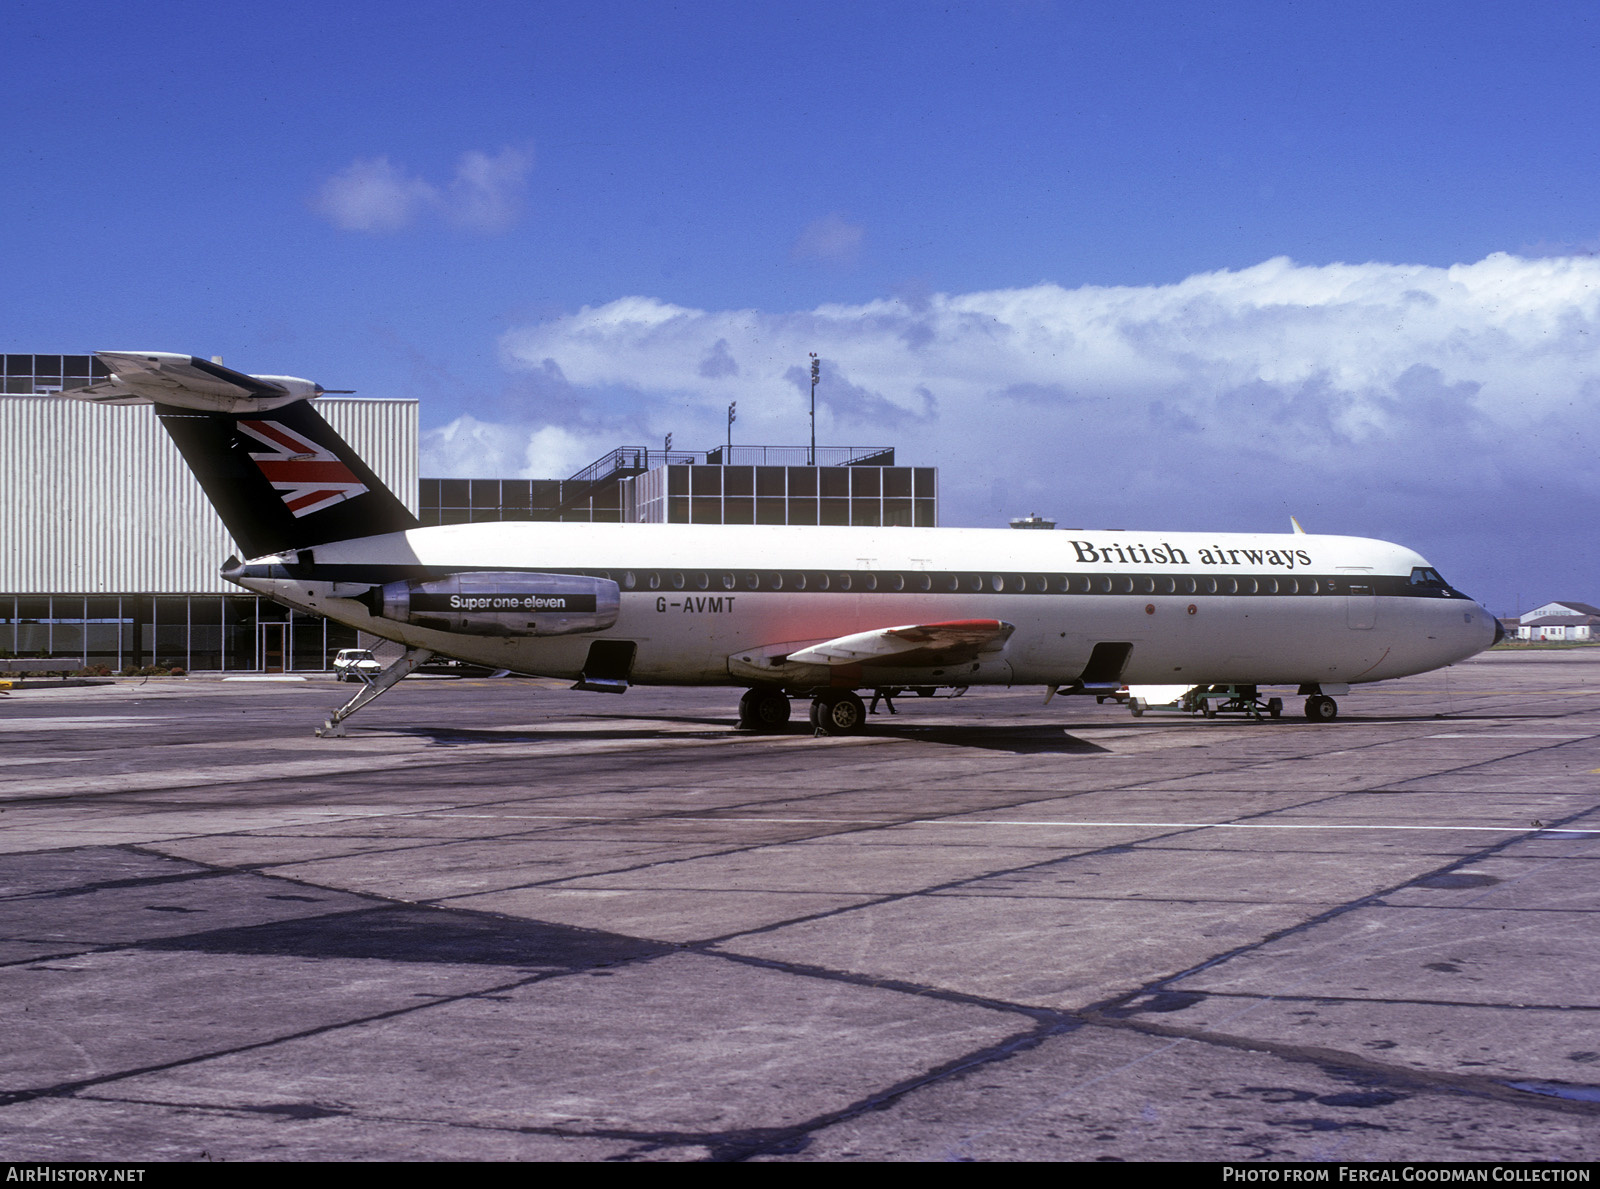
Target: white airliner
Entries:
(789, 611)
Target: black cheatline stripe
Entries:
(967, 582)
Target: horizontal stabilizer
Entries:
(189, 382)
(913, 645)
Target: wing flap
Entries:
(911, 645)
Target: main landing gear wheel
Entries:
(838, 712)
(1275, 707)
(1321, 708)
(763, 709)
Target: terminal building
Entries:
(110, 554)
(840, 485)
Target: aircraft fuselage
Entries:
(726, 604)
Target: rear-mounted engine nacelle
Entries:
(502, 604)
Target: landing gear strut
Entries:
(838, 712)
(764, 708)
(408, 664)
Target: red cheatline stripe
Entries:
(305, 472)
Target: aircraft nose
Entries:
(1499, 632)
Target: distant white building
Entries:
(1564, 620)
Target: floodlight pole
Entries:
(816, 365)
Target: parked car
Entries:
(351, 663)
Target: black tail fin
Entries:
(282, 479)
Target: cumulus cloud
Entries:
(471, 449)
(829, 240)
(372, 194)
(1445, 405)
(486, 193)
(719, 362)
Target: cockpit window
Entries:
(1425, 580)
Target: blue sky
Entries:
(1159, 265)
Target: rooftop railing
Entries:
(635, 460)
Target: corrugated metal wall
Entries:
(97, 499)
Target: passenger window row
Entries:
(979, 582)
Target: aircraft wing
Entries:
(187, 381)
(912, 645)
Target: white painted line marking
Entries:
(857, 821)
(80, 722)
(1490, 737)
